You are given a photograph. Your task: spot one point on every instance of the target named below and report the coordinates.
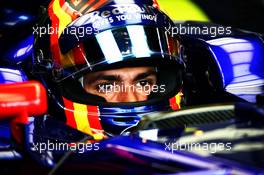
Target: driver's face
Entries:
(121, 85)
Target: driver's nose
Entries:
(129, 96)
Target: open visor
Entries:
(131, 45)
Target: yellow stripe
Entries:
(68, 60)
(178, 99)
(99, 135)
(64, 20)
(182, 10)
(80, 115)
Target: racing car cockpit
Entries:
(113, 87)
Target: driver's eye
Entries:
(105, 87)
(143, 83)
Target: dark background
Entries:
(243, 14)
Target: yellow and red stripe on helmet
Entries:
(175, 102)
(59, 20)
(84, 118)
(61, 14)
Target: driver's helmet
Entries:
(118, 34)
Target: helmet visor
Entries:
(130, 45)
